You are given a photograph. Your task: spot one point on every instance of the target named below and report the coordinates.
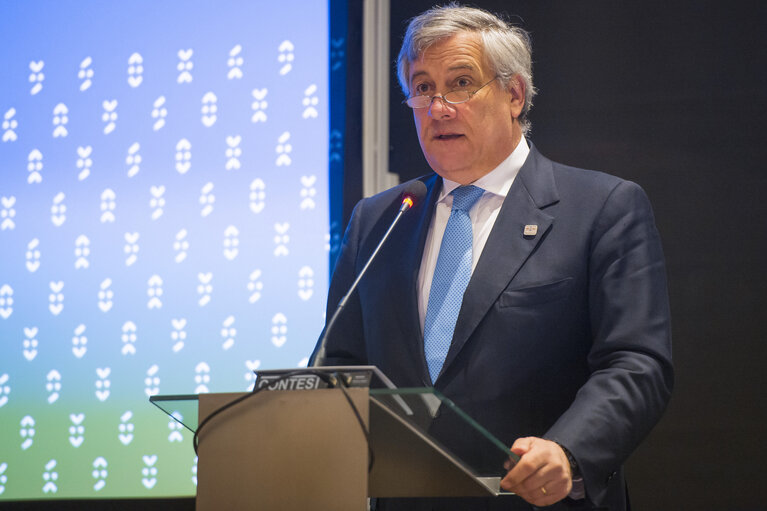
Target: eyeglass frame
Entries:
(443, 96)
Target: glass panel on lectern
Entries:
(450, 427)
(183, 408)
(428, 411)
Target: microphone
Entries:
(414, 192)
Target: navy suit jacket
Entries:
(564, 334)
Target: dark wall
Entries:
(670, 95)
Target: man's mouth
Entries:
(448, 136)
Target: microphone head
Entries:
(413, 193)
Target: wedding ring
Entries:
(543, 489)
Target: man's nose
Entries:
(441, 109)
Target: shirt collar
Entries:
(499, 180)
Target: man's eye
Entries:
(421, 89)
(462, 83)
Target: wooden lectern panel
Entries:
(283, 451)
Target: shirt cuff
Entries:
(579, 489)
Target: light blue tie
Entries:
(451, 276)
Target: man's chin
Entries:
(448, 162)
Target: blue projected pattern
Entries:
(164, 227)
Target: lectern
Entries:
(306, 449)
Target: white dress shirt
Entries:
(496, 184)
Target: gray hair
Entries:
(507, 47)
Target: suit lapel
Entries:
(507, 247)
(410, 243)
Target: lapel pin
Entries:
(530, 230)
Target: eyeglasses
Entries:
(454, 97)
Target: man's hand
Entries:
(542, 475)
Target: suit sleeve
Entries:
(630, 357)
(345, 343)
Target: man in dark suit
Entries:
(530, 293)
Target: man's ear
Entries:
(516, 90)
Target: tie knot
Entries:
(464, 197)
